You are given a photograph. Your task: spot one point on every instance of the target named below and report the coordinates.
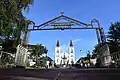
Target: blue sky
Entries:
(106, 11)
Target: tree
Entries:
(96, 47)
(37, 52)
(12, 21)
(94, 55)
(88, 55)
(114, 37)
(97, 50)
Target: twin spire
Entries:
(71, 44)
(58, 44)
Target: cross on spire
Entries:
(62, 13)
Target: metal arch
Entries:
(26, 34)
(95, 21)
(48, 23)
(31, 22)
(44, 24)
(99, 30)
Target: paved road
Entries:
(60, 74)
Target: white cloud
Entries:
(76, 40)
(65, 47)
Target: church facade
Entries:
(63, 58)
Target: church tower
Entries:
(71, 53)
(57, 53)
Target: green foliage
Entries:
(95, 50)
(37, 52)
(85, 59)
(114, 37)
(12, 21)
(12, 24)
(6, 59)
(88, 56)
(94, 55)
(42, 61)
(7, 46)
(96, 47)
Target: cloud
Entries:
(65, 47)
(76, 40)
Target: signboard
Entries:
(63, 24)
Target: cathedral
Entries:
(63, 58)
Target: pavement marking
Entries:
(56, 78)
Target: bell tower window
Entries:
(57, 51)
(71, 50)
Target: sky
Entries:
(106, 11)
